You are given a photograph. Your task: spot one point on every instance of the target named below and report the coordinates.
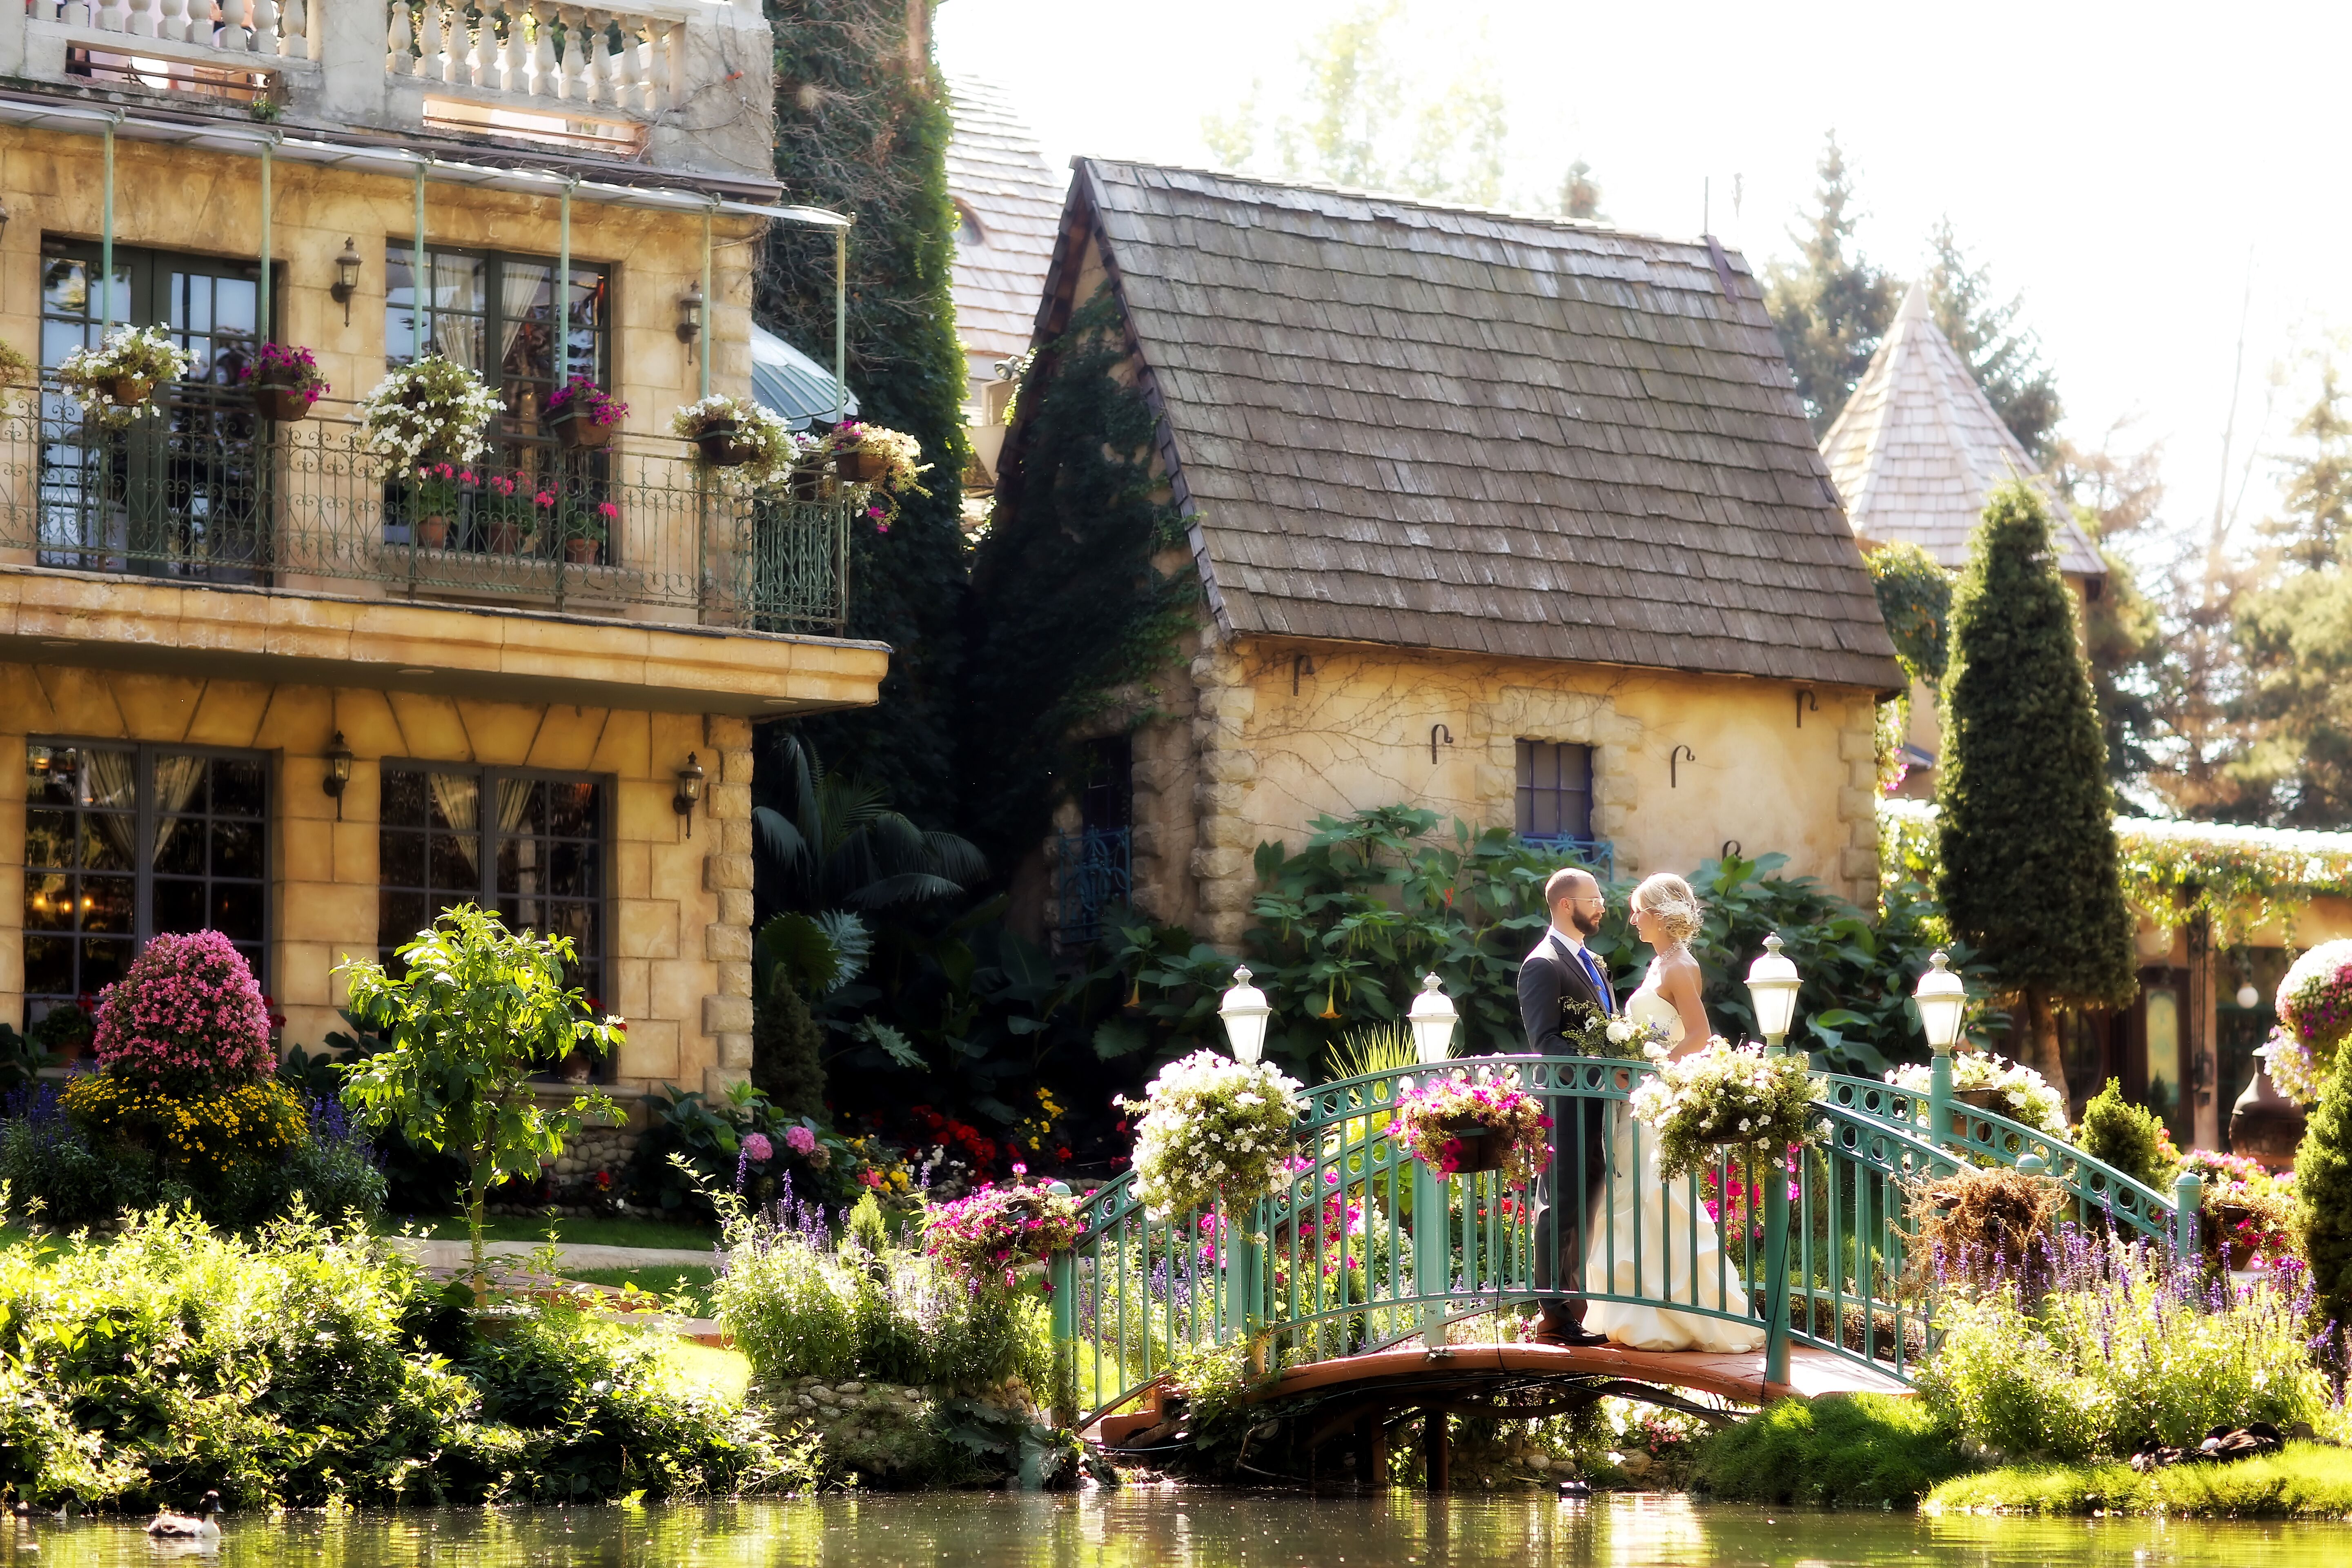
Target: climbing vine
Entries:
(862, 128)
(2240, 878)
(1915, 595)
(1071, 617)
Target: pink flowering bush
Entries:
(987, 1238)
(1427, 1116)
(2315, 1000)
(186, 1014)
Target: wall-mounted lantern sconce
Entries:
(1435, 731)
(689, 790)
(1806, 699)
(338, 773)
(1674, 759)
(689, 313)
(347, 279)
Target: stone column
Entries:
(727, 872)
(1858, 801)
(1221, 852)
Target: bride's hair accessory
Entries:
(1670, 899)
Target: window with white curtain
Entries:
(122, 841)
(529, 845)
(492, 312)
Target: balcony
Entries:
(206, 495)
(658, 82)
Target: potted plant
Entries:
(1984, 1081)
(586, 528)
(517, 530)
(118, 379)
(1460, 1124)
(64, 1032)
(286, 382)
(1212, 1131)
(1737, 1099)
(732, 433)
(435, 499)
(583, 416)
(430, 410)
(885, 464)
(998, 1236)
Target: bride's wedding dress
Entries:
(1679, 1260)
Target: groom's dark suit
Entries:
(1553, 980)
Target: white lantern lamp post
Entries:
(1943, 999)
(1772, 984)
(1244, 1012)
(1432, 1018)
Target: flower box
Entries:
(724, 445)
(860, 468)
(581, 433)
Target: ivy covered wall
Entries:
(862, 128)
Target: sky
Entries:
(2130, 170)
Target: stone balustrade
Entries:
(682, 84)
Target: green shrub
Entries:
(307, 1365)
(2122, 1348)
(2128, 1137)
(2323, 1198)
(1856, 1450)
(2303, 1480)
(800, 1306)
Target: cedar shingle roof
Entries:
(995, 169)
(1434, 427)
(1918, 446)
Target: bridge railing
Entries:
(1361, 1247)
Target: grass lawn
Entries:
(583, 1231)
(705, 1369)
(2303, 1480)
(659, 1279)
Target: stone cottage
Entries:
(1514, 518)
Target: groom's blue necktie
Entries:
(1599, 985)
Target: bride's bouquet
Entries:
(1213, 1128)
(1438, 1122)
(1598, 1034)
(1734, 1097)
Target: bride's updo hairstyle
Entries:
(1670, 899)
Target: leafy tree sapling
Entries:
(476, 1011)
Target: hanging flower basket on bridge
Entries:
(1754, 1106)
(1460, 1125)
(1215, 1130)
(997, 1237)
(1994, 1083)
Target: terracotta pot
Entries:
(505, 539)
(860, 468)
(576, 1067)
(581, 552)
(131, 391)
(1483, 1149)
(724, 446)
(283, 403)
(581, 433)
(433, 532)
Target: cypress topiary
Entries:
(2125, 1137)
(2323, 1201)
(862, 128)
(787, 1053)
(2026, 824)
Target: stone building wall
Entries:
(1283, 733)
(678, 908)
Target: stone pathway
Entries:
(450, 1256)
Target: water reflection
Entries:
(1162, 1529)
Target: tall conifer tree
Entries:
(2026, 821)
(1833, 308)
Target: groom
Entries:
(1556, 982)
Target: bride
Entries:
(1679, 1260)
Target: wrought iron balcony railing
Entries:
(641, 531)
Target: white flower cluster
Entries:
(1624, 1031)
(142, 354)
(432, 408)
(779, 448)
(2031, 1100)
(1725, 1095)
(1214, 1127)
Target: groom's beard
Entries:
(1586, 925)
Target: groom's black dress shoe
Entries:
(1568, 1336)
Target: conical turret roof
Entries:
(1919, 447)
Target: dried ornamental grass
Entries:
(1978, 1227)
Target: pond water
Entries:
(1146, 1529)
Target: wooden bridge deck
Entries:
(1811, 1374)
